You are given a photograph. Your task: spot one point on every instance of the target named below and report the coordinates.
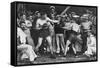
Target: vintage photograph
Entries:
(55, 33)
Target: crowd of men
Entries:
(56, 35)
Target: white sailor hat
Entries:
(52, 7)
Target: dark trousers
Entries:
(84, 38)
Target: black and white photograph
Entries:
(49, 33)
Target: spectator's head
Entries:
(37, 13)
(24, 16)
(30, 17)
(43, 15)
(88, 12)
(58, 17)
(84, 17)
(73, 21)
(73, 13)
(63, 18)
(22, 24)
(89, 33)
(52, 8)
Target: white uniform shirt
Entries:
(91, 41)
(22, 35)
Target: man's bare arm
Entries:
(50, 20)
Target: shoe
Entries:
(76, 56)
(33, 62)
(58, 54)
(64, 55)
(58, 51)
(52, 56)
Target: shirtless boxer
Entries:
(42, 25)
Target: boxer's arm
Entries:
(50, 20)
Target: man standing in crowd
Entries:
(59, 32)
(52, 31)
(85, 25)
(74, 30)
(42, 25)
(35, 32)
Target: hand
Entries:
(36, 49)
(66, 28)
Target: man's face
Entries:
(23, 25)
(59, 18)
(30, 17)
(38, 14)
(63, 19)
(73, 13)
(89, 33)
(24, 17)
(53, 10)
(44, 16)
